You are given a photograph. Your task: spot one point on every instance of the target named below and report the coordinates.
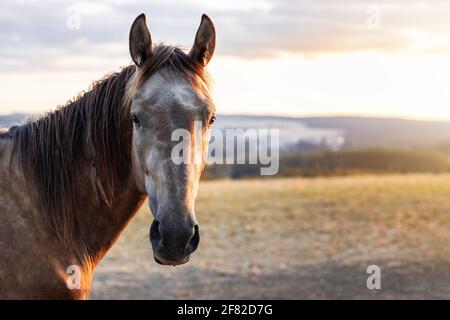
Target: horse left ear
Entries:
(205, 41)
(140, 41)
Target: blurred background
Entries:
(359, 92)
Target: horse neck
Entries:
(99, 225)
(106, 198)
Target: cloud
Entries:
(320, 26)
(63, 34)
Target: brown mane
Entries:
(95, 127)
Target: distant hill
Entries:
(389, 133)
(331, 133)
(7, 121)
(308, 133)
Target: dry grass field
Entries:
(298, 239)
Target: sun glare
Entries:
(408, 85)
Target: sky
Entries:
(388, 58)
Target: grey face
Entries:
(167, 102)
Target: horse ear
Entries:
(205, 41)
(140, 41)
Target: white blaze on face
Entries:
(175, 89)
(185, 96)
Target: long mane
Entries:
(94, 127)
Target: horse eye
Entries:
(135, 119)
(213, 119)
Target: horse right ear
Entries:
(140, 41)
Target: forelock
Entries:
(171, 59)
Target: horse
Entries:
(72, 179)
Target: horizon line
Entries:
(292, 116)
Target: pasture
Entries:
(297, 238)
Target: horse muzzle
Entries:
(173, 243)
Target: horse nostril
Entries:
(155, 234)
(193, 241)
